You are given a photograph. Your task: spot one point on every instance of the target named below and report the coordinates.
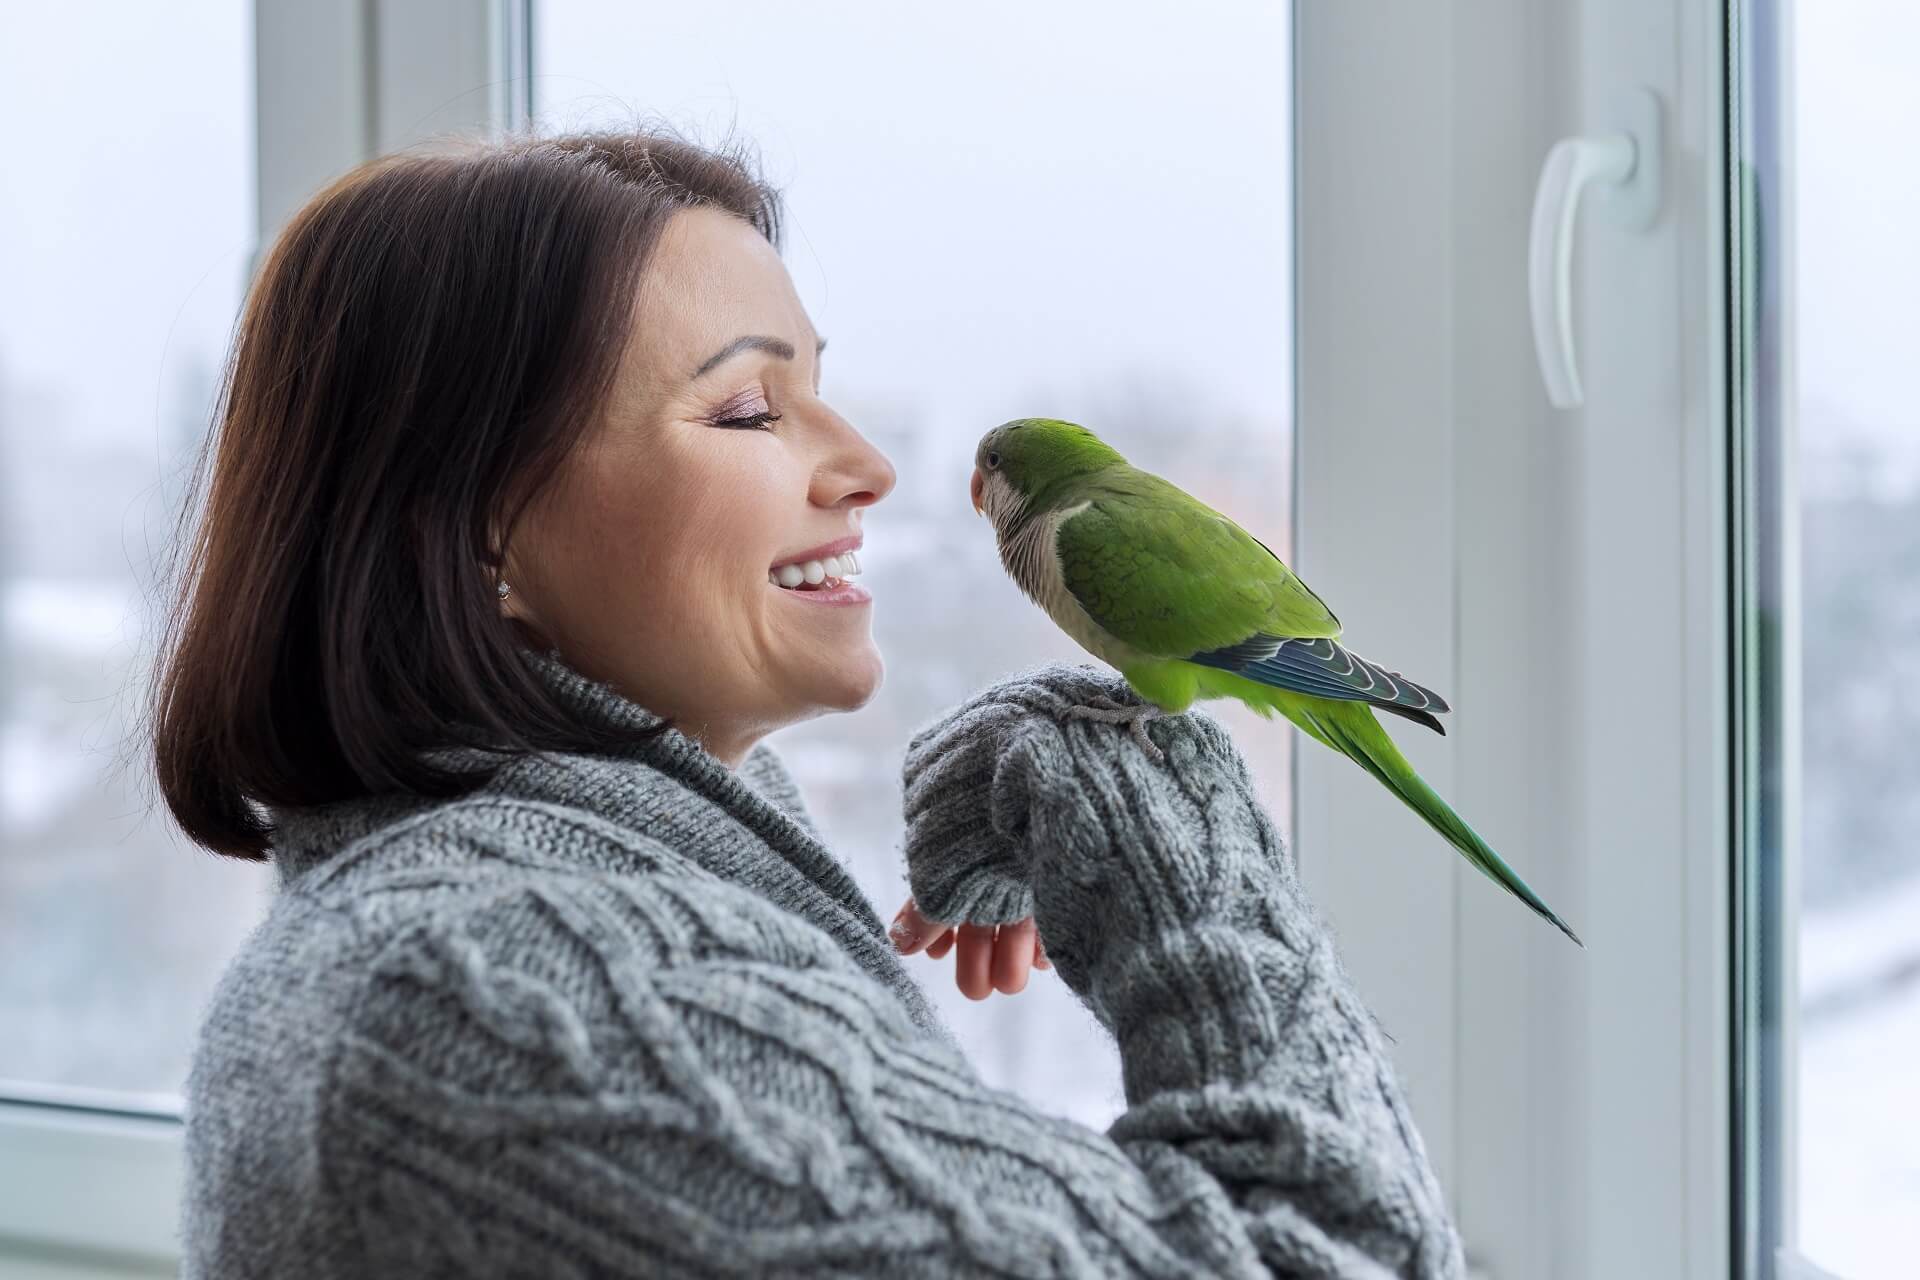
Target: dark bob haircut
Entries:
(422, 348)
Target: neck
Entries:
(729, 748)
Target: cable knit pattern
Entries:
(1171, 907)
(626, 1016)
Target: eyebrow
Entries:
(751, 342)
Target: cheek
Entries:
(668, 560)
(688, 532)
(728, 518)
(660, 506)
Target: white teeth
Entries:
(814, 572)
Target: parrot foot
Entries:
(1135, 717)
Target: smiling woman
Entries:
(561, 977)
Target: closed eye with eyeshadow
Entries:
(760, 420)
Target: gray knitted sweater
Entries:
(627, 1016)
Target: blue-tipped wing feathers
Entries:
(1324, 668)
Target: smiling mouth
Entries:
(816, 575)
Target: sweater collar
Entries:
(645, 789)
(761, 788)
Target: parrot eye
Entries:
(993, 457)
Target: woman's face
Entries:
(647, 563)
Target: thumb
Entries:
(911, 930)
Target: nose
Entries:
(859, 474)
(975, 488)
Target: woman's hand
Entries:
(990, 956)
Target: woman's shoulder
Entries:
(472, 839)
(451, 876)
(485, 949)
(366, 875)
(479, 894)
(461, 863)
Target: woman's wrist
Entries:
(1014, 808)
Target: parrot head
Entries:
(1021, 464)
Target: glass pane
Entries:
(1857, 103)
(986, 226)
(1830, 101)
(125, 227)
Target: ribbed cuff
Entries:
(981, 896)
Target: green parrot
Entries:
(1186, 604)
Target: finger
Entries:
(1013, 956)
(910, 930)
(940, 945)
(1040, 960)
(972, 964)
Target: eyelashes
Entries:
(761, 421)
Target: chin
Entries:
(848, 686)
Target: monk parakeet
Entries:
(1186, 604)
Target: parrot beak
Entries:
(975, 488)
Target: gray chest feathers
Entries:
(1034, 564)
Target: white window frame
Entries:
(91, 1183)
(1576, 1103)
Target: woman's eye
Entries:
(752, 420)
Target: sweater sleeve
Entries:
(593, 1074)
(1170, 906)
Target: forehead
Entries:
(712, 277)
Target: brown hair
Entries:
(425, 343)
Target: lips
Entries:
(850, 542)
(831, 592)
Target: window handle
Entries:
(1628, 165)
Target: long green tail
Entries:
(1350, 728)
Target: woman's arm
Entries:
(618, 1076)
(1172, 909)
(584, 1074)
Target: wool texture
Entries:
(626, 1015)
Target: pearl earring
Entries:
(504, 590)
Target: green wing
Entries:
(1162, 571)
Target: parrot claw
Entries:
(1134, 717)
